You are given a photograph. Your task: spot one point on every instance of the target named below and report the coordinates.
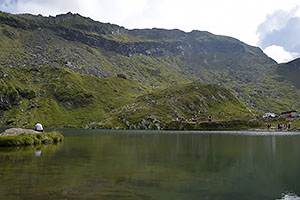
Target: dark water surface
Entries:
(95, 164)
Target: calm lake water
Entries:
(97, 164)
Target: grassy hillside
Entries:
(194, 100)
(296, 124)
(280, 88)
(156, 58)
(290, 72)
(60, 97)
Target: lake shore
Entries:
(23, 137)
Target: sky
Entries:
(273, 25)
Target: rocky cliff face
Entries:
(196, 49)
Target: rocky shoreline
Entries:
(20, 137)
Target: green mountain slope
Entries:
(156, 58)
(58, 97)
(280, 87)
(290, 72)
(193, 100)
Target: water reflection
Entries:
(38, 153)
(156, 165)
(289, 196)
(25, 152)
(273, 145)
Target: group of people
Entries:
(284, 126)
(281, 126)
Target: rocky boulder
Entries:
(17, 131)
(21, 137)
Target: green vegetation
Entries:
(289, 72)
(295, 124)
(58, 97)
(31, 139)
(189, 101)
(62, 71)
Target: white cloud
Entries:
(280, 32)
(279, 54)
(277, 28)
(276, 20)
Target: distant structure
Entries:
(289, 114)
(269, 115)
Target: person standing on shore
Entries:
(279, 127)
(38, 127)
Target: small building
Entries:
(269, 115)
(289, 114)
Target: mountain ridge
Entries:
(110, 49)
(155, 58)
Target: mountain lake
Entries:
(167, 165)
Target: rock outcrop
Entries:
(22, 137)
(17, 131)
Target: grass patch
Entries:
(31, 139)
(187, 101)
(61, 97)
